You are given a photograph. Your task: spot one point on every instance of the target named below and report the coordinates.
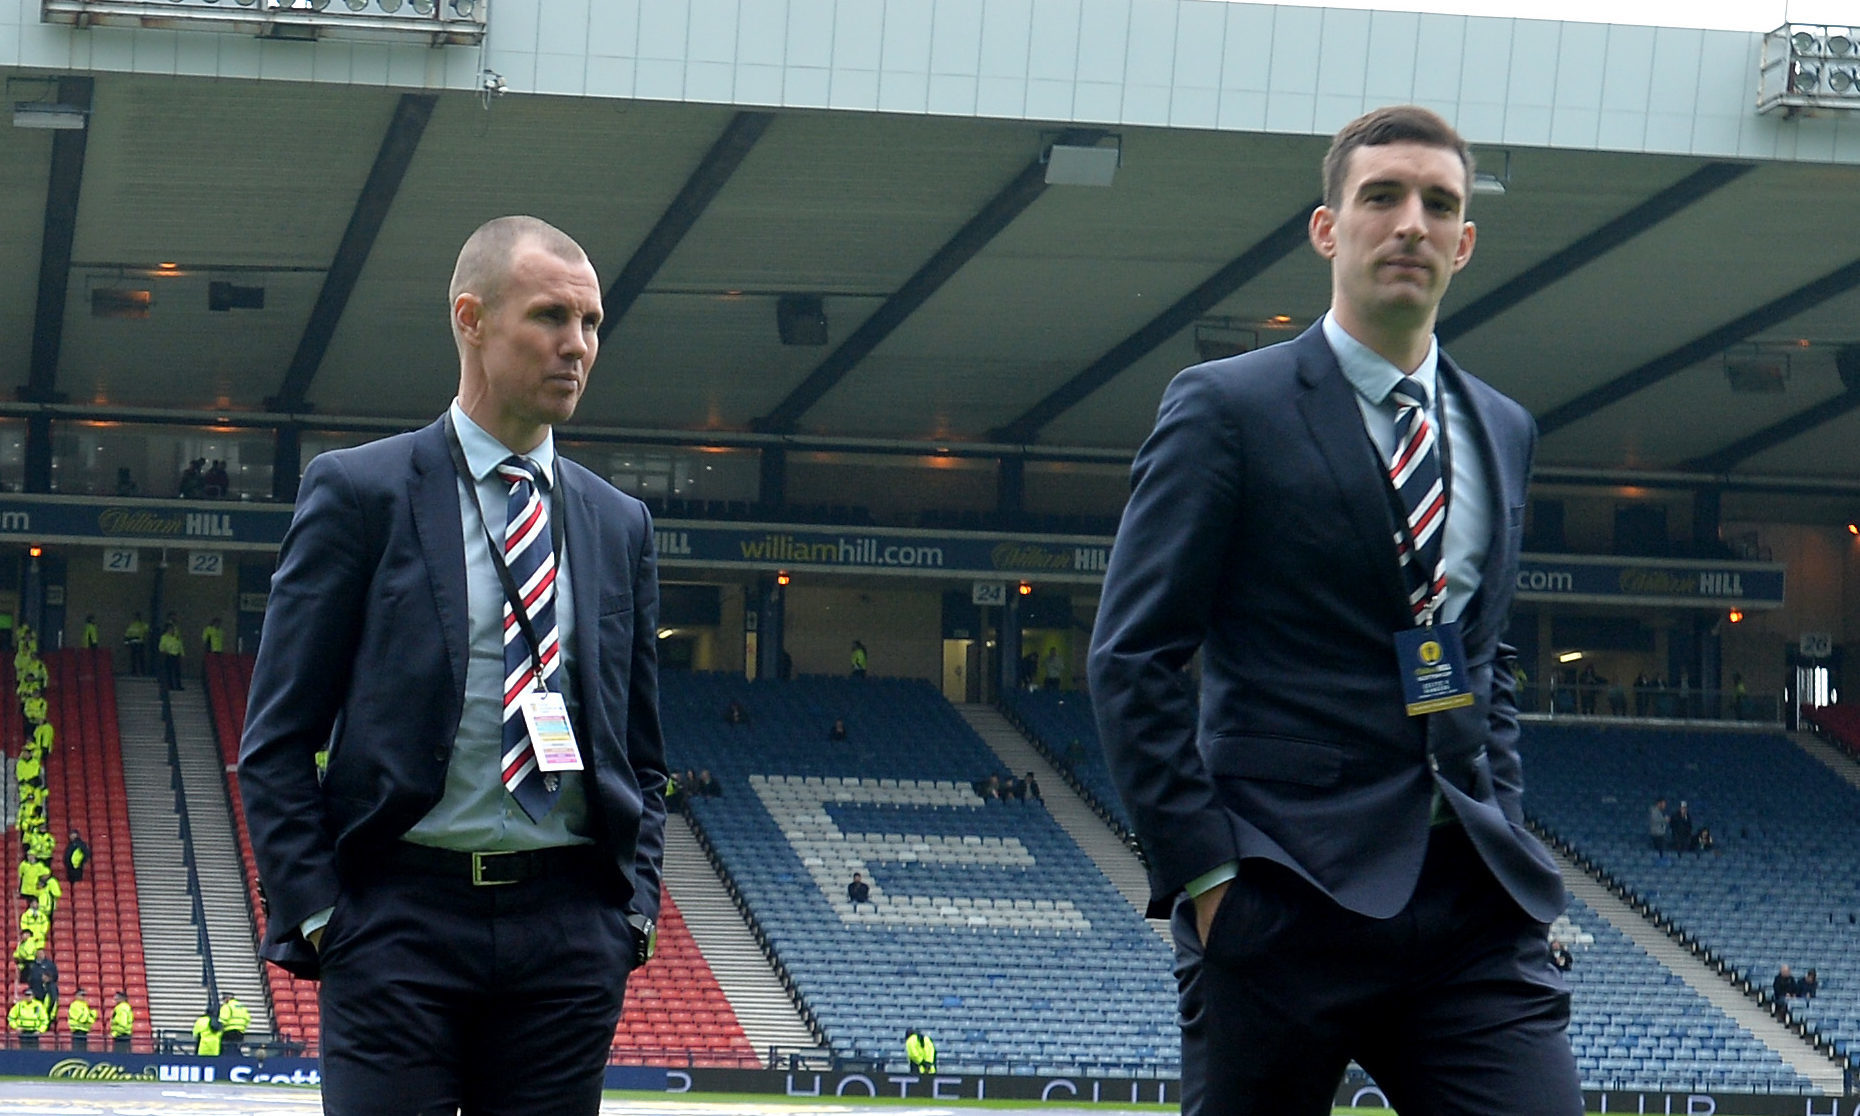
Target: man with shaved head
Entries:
(465, 623)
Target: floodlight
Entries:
(1839, 45)
(1803, 42)
(465, 8)
(1841, 81)
(424, 7)
(1804, 78)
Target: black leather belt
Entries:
(492, 869)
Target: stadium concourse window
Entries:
(709, 481)
(12, 455)
(134, 459)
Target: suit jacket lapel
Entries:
(433, 496)
(1329, 408)
(1476, 617)
(585, 563)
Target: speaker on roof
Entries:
(801, 319)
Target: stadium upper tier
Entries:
(987, 927)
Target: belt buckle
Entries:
(478, 861)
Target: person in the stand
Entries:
(27, 1016)
(858, 891)
(208, 1033)
(77, 857)
(920, 1051)
(122, 1023)
(136, 638)
(171, 649)
(235, 1018)
(90, 638)
(33, 921)
(80, 1017)
(1680, 826)
(858, 659)
(1560, 956)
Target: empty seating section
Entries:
(676, 1011)
(1840, 723)
(1783, 886)
(986, 927)
(96, 937)
(1061, 725)
(1635, 1025)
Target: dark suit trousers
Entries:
(441, 997)
(1452, 1006)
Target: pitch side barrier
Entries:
(1070, 1090)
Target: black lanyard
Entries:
(511, 593)
(1400, 509)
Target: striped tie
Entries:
(528, 551)
(1415, 472)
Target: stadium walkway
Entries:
(757, 996)
(1079, 820)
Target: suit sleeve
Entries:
(1170, 554)
(645, 743)
(299, 682)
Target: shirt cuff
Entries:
(315, 922)
(1212, 879)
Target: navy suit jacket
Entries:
(364, 651)
(1260, 532)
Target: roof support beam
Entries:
(365, 221)
(1243, 269)
(1847, 363)
(61, 209)
(1728, 458)
(700, 189)
(1668, 202)
(1772, 313)
(999, 212)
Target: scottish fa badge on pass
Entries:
(1433, 669)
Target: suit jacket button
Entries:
(1433, 764)
(439, 755)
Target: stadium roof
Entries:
(1618, 291)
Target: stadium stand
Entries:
(987, 927)
(1061, 726)
(676, 1011)
(96, 938)
(1635, 1025)
(1781, 887)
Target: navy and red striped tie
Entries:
(530, 554)
(1415, 473)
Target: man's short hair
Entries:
(484, 261)
(1393, 124)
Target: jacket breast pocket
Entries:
(616, 604)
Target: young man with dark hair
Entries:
(1335, 820)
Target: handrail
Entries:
(202, 942)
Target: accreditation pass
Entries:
(551, 733)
